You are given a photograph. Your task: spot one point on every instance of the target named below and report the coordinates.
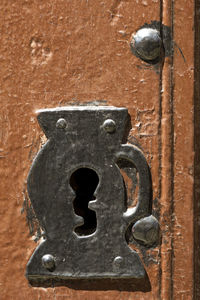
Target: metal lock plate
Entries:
(79, 197)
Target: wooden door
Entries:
(61, 52)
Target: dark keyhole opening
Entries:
(84, 182)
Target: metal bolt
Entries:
(61, 123)
(146, 43)
(109, 126)
(48, 261)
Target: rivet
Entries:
(146, 43)
(118, 260)
(109, 126)
(61, 123)
(48, 261)
(146, 230)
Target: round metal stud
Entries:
(118, 260)
(48, 261)
(146, 231)
(61, 123)
(146, 44)
(109, 126)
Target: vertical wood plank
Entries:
(197, 153)
(65, 52)
(167, 160)
(183, 95)
(71, 52)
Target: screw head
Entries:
(146, 43)
(48, 261)
(109, 126)
(61, 123)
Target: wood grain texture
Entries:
(183, 95)
(60, 52)
(197, 153)
(167, 160)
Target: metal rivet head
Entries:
(146, 43)
(118, 264)
(146, 230)
(118, 260)
(61, 123)
(48, 261)
(109, 126)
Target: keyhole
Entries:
(84, 182)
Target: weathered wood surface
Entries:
(74, 52)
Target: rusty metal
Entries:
(79, 197)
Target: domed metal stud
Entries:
(109, 126)
(61, 123)
(48, 261)
(146, 44)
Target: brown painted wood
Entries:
(166, 162)
(197, 154)
(65, 52)
(183, 158)
(177, 254)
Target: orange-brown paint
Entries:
(73, 52)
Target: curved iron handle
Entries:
(134, 155)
